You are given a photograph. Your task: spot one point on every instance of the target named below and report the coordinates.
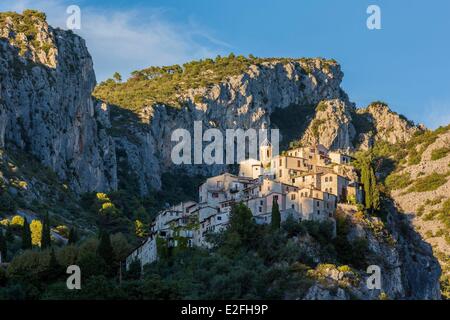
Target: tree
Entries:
(276, 216)
(46, 237)
(105, 249)
(3, 247)
(36, 232)
(139, 229)
(17, 221)
(242, 227)
(134, 270)
(9, 236)
(26, 236)
(73, 236)
(7, 204)
(117, 77)
(369, 180)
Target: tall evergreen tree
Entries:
(276, 216)
(105, 249)
(26, 236)
(46, 241)
(374, 191)
(73, 236)
(3, 247)
(369, 180)
(241, 223)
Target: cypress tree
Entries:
(26, 236)
(375, 193)
(276, 216)
(73, 236)
(371, 192)
(46, 238)
(3, 247)
(105, 249)
(365, 179)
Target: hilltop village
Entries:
(307, 183)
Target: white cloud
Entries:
(129, 40)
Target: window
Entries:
(260, 209)
(331, 179)
(281, 162)
(318, 212)
(299, 164)
(326, 179)
(293, 206)
(281, 173)
(215, 195)
(318, 203)
(292, 196)
(219, 218)
(331, 190)
(261, 202)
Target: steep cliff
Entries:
(408, 269)
(46, 108)
(48, 113)
(420, 184)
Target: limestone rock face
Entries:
(46, 108)
(408, 269)
(240, 102)
(332, 126)
(385, 125)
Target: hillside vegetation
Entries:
(163, 85)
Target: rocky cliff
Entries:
(408, 269)
(46, 108)
(48, 113)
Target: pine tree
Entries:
(73, 236)
(46, 238)
(26, 236)
(276, 216)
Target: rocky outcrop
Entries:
(379, 123)
(408, 269)
(46, 108)
(240, 102)
(332, 126)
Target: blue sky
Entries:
(406, 64)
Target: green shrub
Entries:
(398, 181)
(440, 153)
(429, 183)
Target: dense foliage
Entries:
(246, 261)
